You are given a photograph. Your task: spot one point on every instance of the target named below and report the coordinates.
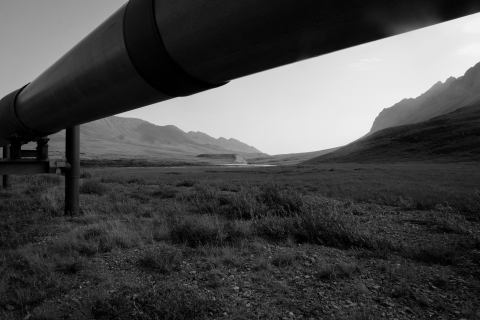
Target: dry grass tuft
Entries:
(163, 259)
(93, 186)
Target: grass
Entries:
(92, 186)
(244, 204)
(256, 227)
(321, 221)
(28, 276)
(171, 301)
(164, 259)
(168, 301)
(339, 271)
(283, 260)
(194, 231)
(187, 183)
(103, 236)
(411, 185)
(166, 192)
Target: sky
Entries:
(316, 104)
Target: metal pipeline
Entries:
(154, 50)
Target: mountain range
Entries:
(441, 98)
(126, 137)
(451, 137)
(442, 124)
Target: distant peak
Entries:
(450, 79)
(437, 85)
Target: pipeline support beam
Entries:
(32, 166)
(72, 175)
(6, 177)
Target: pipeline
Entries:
(150, 51)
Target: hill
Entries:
(440, 99)
(224, 158)
(129, 137)
(290, 158)
(447, 138)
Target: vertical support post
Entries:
(72, 176)
(15, 148)
(6, 178)
(42, 148)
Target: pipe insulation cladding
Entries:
(154, 50)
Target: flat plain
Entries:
(326, 241)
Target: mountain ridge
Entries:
(135, 137)
(232, 144)
(441, 98)
(451, 137)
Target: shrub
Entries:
(224, 186)
(39, 182)
(280, 200)
(53, 201)
(204, 199)
(236, 231)
(204, 192)
(328, 227)
(244, 204)
(187, 183)
(277, 228)
(194, 230)
(111, 234)
(49, 179)
(103, 236)
(166, 192)
(92, 186)
(323, 222)
(446, 221)
(85, 174)
(135, 180)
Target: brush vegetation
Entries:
(340, 242)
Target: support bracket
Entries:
(32, 166)
(16, 161)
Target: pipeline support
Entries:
(72, 175)
(6, 155)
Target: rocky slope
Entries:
(289, 159)
(452, 137)
(440, 99)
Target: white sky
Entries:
(312, 105)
